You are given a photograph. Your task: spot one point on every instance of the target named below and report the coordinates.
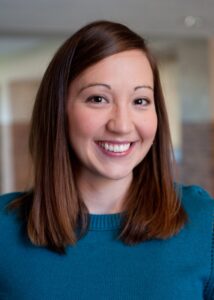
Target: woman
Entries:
(104, 219)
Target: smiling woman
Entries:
(104, 194)
(121, 123)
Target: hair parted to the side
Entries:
(53, 209)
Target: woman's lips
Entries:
(113, 148)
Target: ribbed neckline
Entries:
(105, 221)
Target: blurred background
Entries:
(181, 35)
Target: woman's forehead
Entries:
(131, 66)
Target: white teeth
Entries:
(115, 148)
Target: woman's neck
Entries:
(103, 195)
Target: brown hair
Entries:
(53, 210)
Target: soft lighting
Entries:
(191, 21)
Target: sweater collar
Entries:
(105, 221)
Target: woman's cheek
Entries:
(84, 123)
(148, 126)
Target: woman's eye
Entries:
(96, 99)
(141, 102)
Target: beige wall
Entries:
(211, 65)
(19, 79)
(169, 79)
(29, 64)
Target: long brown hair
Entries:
(53, 210)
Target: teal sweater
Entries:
(102, 267)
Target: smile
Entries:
(115, 148)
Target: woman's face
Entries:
(111, 115)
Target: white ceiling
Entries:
(153, 17)
(28, 20)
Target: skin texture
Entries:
(111, 103)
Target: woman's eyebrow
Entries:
(109, 87)
(144, 87)
(94, 84)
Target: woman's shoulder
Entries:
(194, 197)
(194, 191)
(5, 199)
(199, 206)
(198, 233)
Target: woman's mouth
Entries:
(115, 148)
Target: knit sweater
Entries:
(100, 266)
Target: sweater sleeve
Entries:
(199, 206)
(209, 289)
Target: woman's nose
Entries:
(120, 120)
